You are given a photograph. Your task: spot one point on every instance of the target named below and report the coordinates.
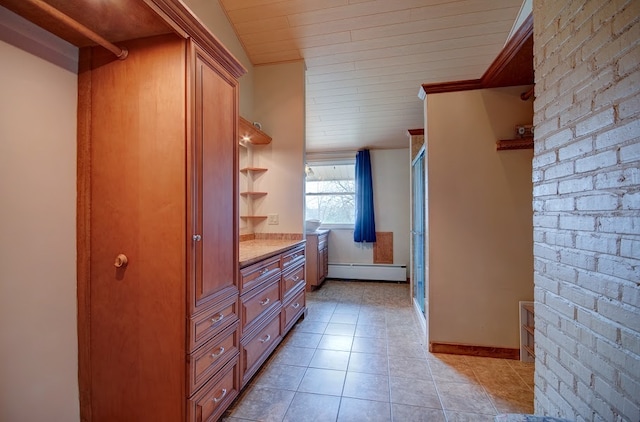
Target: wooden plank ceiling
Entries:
(366, 59)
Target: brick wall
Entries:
(586, 199)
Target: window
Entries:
(330, 193)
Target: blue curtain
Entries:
(365, 228)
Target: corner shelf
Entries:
(250, 137)
(253, 169)
(527, 330)
(249, 133)
(519, 143)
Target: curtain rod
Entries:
(121, 53)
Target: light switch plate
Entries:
(273, 219)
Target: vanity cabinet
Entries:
(272, 294)
(317, 258)
(158, 189)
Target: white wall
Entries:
(38, 337)
(480, 217)
(279, 105)
(390, 173)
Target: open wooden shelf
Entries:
(249, 133)
(253, 169)
(520, 143)
(255, 217)
(253, 193)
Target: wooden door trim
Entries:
(83, 232)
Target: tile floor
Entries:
(359, 355)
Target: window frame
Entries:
(332, 226)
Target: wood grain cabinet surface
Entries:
(317, 258)
(158, 158)
(272, 298)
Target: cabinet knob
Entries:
(264, 302)
(197, 237)
(121, 261)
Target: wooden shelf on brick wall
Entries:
(520, 143)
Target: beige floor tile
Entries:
(357, 410)
(344, 318)
(464, 397)
(284, 377)
(307, 407)
(453, 416)
(340, 329)
(335, 342)
(371, 345)
(330, 359)
(292, 355)
(301, 339)
(371, 331)
(406, 413)
(415, 392)
(366, 386)
(360, 355)
(322, 381)
(369, 363)
(264, 404)
(406, 367)
(307, 326)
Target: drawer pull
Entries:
(218, 353)
(263, 272)
(265, 302)
(266, 339)
(217, 399)
(296, 278)
(295, 305)
(219, 318)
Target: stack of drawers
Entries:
(213, 360)
(272, 298)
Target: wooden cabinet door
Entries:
(214, 252)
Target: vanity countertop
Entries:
(252, 251)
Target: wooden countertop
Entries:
(252, 251)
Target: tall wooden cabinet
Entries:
(159, 150)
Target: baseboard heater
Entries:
(368, 272)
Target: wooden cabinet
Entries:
(272, 296)
(158, 162)
(317, 257)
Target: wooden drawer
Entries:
(204, 363)
(257, 303)
(291, 280)
(256, 349)
(258, 273)
(204, 326)
(216, 395)
(293, 309)
(292, 257)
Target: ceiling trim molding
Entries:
(509, 53)
(516, 47)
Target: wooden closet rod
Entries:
(526, 95)
(121, 53)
